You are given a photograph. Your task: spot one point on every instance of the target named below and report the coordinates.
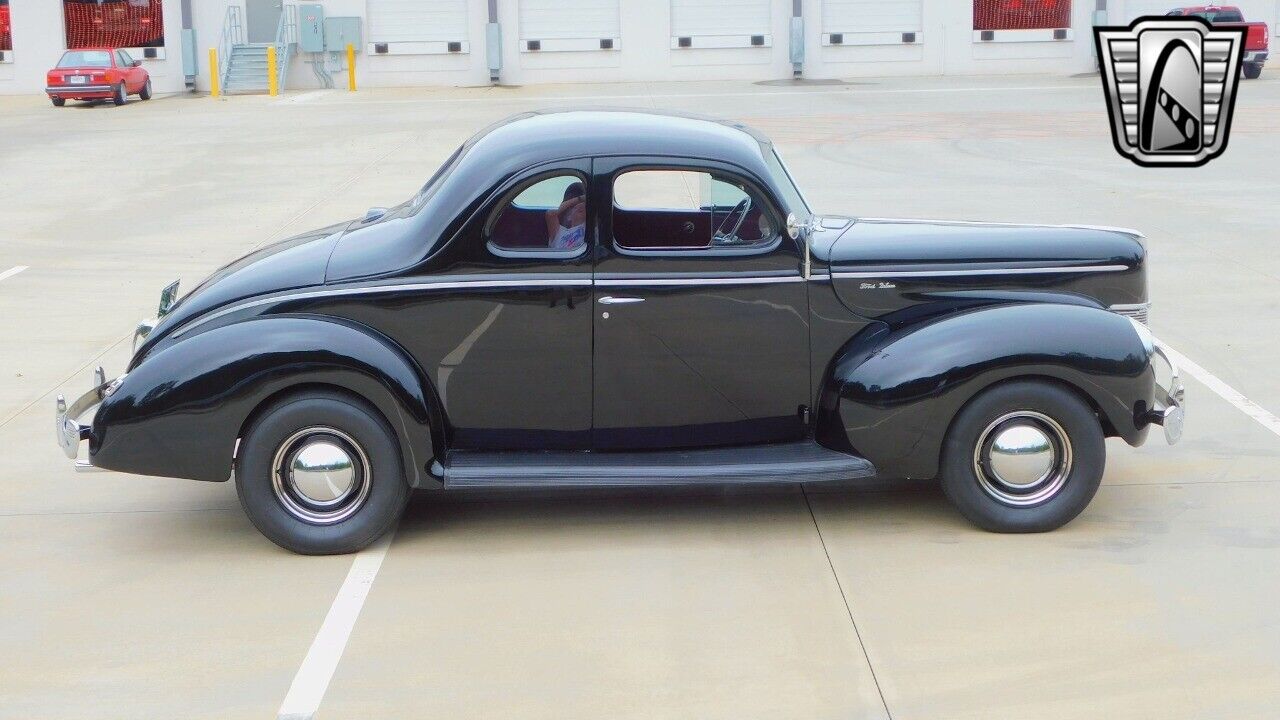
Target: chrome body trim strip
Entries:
(923, 221)
(981, 271)
(380, 290)
(746, 280)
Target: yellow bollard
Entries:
(214, 90)
(273, 80)
(351, 67)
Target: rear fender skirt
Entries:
(891, 393)
(179, 413)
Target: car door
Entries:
(132, 76)
(509, 349)
(700, 312)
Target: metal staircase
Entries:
(244, 64)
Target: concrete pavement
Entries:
(144, 597)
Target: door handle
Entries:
(611, 300)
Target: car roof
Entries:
(547, 135)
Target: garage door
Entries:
(400, 27)
(720, 23)
(579, 25)
(1138, 8)
(871, 22)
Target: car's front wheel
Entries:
(121, 96)
(1025, 456)
(145, 92)
(1253, 71)
(320, 473)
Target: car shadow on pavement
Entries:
(674, 509)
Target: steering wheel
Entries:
(741, 209)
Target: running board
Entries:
(798, 462)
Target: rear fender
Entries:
(890, 394)
(180, 412)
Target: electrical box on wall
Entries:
(340, 32)
(311, 27)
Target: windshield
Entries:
(1220, 15)
(782, 178)
(85, 58)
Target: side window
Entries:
(125, 60)
(687, 210)
(548, 214)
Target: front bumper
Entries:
(1170, 406)
(1255, 56)
(70, 432)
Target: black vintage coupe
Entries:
(612, 298)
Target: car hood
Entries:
(292, 263)
(882, 267)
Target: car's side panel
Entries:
(510, 353)
(180, 413)
(890, 394)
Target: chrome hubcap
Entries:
(1023, 458)
(321, 475)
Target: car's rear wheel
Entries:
(121, 96)
(57, 101)
(1253, 71)
(1026, 456)
(320, 473)
(145, 93)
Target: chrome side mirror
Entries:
(794, 228)
(373, 213)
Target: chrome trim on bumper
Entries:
(1170, 411)
(76, 89)
(67, 426)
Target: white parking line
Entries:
(1225, 391)
(312, 680)
(12, 271)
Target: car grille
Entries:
(1139, 312)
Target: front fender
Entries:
(179, 412)
(890, 394)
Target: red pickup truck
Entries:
(1255, 43)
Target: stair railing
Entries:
(232, 35)
(286, 39)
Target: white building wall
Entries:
(645, 50)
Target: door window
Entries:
(687, 210)
(125, 60)
(547, 215)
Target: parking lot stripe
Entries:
(312, 680)
(12, 271)
(1225, 391)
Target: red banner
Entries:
(1021, 14)
(113, 23)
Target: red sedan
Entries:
(97, 74)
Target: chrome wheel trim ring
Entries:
(1032, 451)
(298, 462)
